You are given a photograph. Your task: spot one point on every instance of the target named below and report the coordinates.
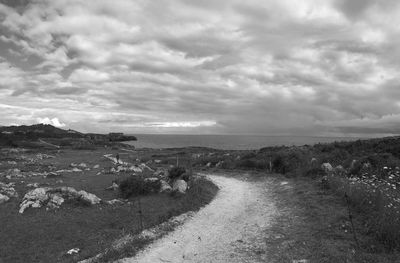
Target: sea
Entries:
(228, 142)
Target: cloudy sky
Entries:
(290, 67)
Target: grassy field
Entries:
(38, 235)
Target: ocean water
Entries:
(227, 142)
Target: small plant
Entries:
(135, 186)
(176, 172)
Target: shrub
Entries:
(134, 186)
(176, 172)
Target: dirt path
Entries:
(227, 230)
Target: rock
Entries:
(52, 175)
(353, 164)
(56, 200)
(67, 191)
(76, 169)
(219, 164)
(339, 170)
(73, 165)
(327, 167)
(97, 166)
(73, 251)
(313, 161)
(88, 197)
(35, 185)
(136, 169)
(83, 165)
(12, 162)
(115, 202)
(143, 166)
(208, 164)
(54, 197)
(151, 179)
(366, 165)
(113, 187)
(157, 161)
(8, 190)
(39, 194)
(165, 187)
(3, 198)
(179, 186)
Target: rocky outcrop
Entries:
(55, 197)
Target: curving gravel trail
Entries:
(229, 229)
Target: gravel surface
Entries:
(230, 229)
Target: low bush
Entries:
(176, 172)
(135, 186)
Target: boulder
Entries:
(327, 167)
(3, 198)
(165, 187)
(88, 197)
(179, 186)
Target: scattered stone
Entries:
(54, 197)
(59, 181)
(12, 162)
(165, 187)
(151, 179)
(115, 202)
(55, 201)
(113, 187)
(35, 185)
(219, 164)
(179, 186)
(90, 198)
(300, 261)
(3, 198)
(8, 190)
(327, 167)
(73, 251)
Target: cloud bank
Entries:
(256, 67)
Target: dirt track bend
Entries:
(229, 229)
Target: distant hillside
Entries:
(15, 135)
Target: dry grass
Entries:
(313, 224)
(377, 202)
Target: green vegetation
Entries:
(137, 185)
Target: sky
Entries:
(287, 67)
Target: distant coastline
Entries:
(229, 142)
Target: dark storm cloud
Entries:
(321, 67)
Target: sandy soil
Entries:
(227, 230)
